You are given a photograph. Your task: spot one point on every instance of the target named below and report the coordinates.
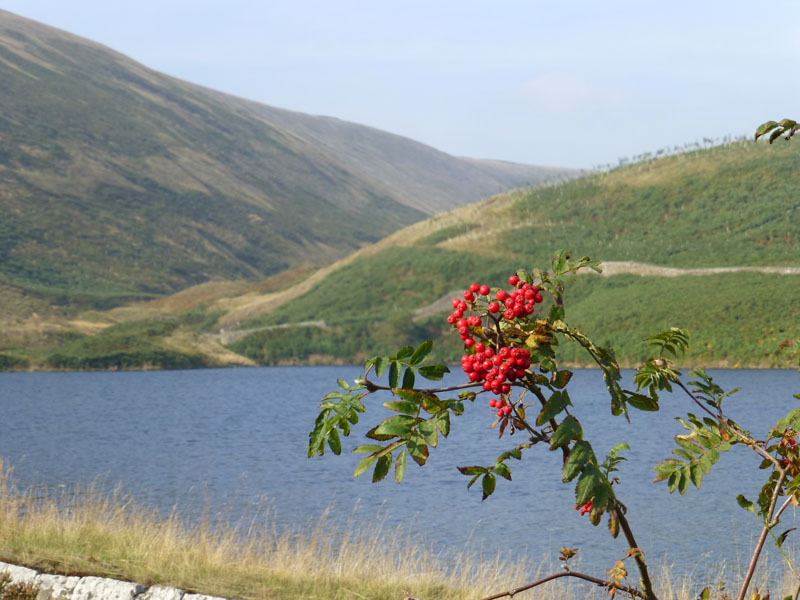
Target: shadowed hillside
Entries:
(118, 182)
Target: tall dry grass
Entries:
(88, 532)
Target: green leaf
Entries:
(560, 379)
(381, 468)
(568, 430)
(696, 474)
(364, 464)
(474, 470)
(433, 372)
(400, 466)
(673, 481)
(556, 313)
(642, 402)
(746, 504)
(399, 425)
(488, 483)
(409, 378)
(765, 128)
(683, 482)
(381, 437)
(402, 406)
(343, 384)
(580, 454)
(683, 454)
(557, 402)
(502, 470)
(418, 450)
(394, 374)
(403, 353)
(334, 441)
(428, 431)
(381, 362)
(443, 423)
(589, 485)
(421, 353)
(367, 449)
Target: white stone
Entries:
(160, 592)
(201, 597)
(100, 588)
(18, 574)
(55, 587)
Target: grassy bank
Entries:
(85, 532)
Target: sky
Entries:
(560, 83)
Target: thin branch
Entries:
(644, 575)
(595, 580)
(374, 387)
(751, 568)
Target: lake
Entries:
(232, 441)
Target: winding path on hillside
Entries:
(610, 268)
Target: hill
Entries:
(707, 240)
(710, 212)
(121, 183)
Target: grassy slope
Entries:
(121, 183)
(725, 206)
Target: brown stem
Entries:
(644, 575)
(374, 387)
(595, 580)
(751, 568)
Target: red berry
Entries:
(468, 296)
(489, 353)
(505, 389)
(484, 290)
(513, 280)
(507, 409)
(474, 287)
(509, 314)
(455, 302)
(494, 307)
(451, 319)
(499, 413)
(539, 298)
(469, 342)
(502, 295)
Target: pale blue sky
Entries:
(544, 82)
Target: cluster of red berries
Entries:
(503, 409)
(496, 368)
(585, 508)
(519, 303)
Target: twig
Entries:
(595, 580)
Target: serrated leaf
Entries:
(746, 504)
(381, 437)
(364, 464)
(381, 468)
(367, 449)
(580, 454)
(443, 423)
(402, 406)
(642, 402)
(343, 384)
(400, 466)
(560, 379)
(433, 372)
(399, 425)
(428, 431)
(409, 379)
(673, 481)
(488, 484)
(683, 453)
(765, 128)
(394, 374)
(474, 470)
(381, 362)
(557, 402)
(421, 353)
(403, 353)
(696, 475)
(590, 484)
(683, 482)
(334, 441)
(332, 395)
(418, 450)
(569, 429)
(502, 470)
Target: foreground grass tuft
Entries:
(85, 532)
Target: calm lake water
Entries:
(232, 441)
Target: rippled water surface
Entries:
(230, 441)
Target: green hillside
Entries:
(121, 183)
(729, 206)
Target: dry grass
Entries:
(85, 532)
